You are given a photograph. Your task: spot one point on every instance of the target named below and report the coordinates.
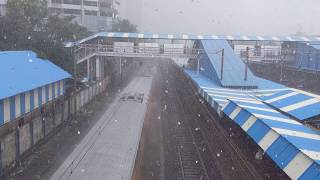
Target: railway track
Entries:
(211, 133)
(190, 165)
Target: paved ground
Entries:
(109, 149)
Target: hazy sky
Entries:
(251, 17)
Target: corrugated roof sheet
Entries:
(21, 71)
(233, 68)
(316, 46)
(294, 147)
(299, 104)
(189, 36)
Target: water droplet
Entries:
(197, 162)
(100, 84)
(179, 123)
(83, 170)
(197, 129)
(218, 154)
(78, 132)
(199, 115)
(115, 120)
(232, 168)
(166, 91)
(30, 60)
(29, 37)
(159, 117)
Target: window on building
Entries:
(57, 1)
(72, 11)
(74, 2)
(105, 4)
(92, 13)
(90, 3)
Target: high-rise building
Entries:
(96, 15)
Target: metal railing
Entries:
(86, 51)
(266, 55)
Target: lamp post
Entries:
(74, 51)
(198, 62)
(222, 63)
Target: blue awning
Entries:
(299, 104)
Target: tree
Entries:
(28, 25)
(124, 25)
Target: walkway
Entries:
(108, 151)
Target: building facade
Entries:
(260, 52)
(304, 56)
(95, 15)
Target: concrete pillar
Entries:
(88, 69)
(98, 69)
(102, 65)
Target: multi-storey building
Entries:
(96, 15)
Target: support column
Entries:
(120, 69)
(98, 69)
(88, 69)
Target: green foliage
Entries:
(123, 25)
(28, 25)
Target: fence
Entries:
(21, 135)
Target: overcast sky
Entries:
(250, 17)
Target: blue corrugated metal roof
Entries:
(233, 68)
(299, 104)
(315, 44)
(294, 147)
(189, 36)
(220, 95)
(21, 71)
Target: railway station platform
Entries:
(109, 149)
(271, 114)
(292, 145)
